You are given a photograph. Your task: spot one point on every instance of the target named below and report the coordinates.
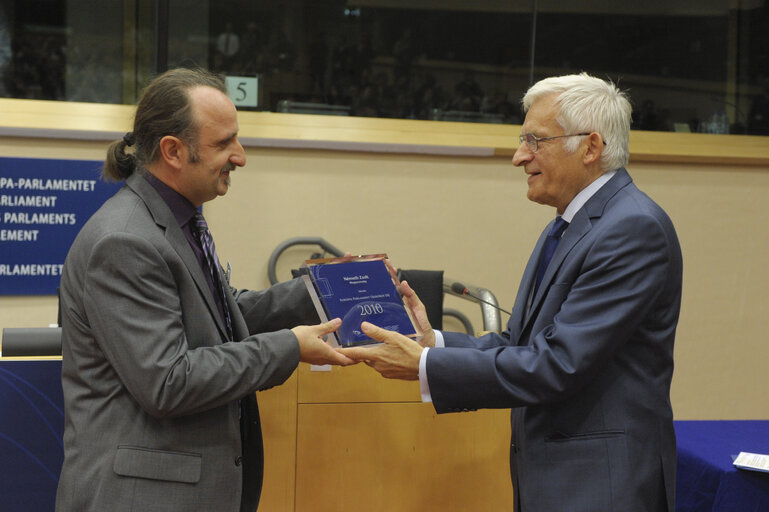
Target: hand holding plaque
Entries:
(357, 289)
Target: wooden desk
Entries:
(363, 442)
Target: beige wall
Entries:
(469, 216)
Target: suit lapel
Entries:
(165, 219)
(239, 327)
(579, 226)
(522, 304)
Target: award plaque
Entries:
(356, 289)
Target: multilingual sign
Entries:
(43, 205)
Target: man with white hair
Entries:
(586, 360)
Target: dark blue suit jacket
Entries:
(586, 367)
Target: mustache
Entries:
(226, 169)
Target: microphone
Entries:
(461, 289)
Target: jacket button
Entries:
(238, 461)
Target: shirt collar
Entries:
(182, 209)
(585, 194)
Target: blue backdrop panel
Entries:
(31, 428)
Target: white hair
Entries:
(589, 104)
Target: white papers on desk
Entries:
(752, 461)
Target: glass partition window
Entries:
(689, 66)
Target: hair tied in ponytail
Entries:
(129, 139)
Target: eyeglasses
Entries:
(532, 140)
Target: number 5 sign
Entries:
(243, 90)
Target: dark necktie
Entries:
(551, 242)
(212, 262)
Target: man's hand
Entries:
(312, 348)
(419, 314)
(397, 358)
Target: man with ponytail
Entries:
(161, 357)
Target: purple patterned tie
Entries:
(212, 261)
(551, 242)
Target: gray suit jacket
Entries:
(587, 366)
(160, 411)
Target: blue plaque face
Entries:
(357, 290)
